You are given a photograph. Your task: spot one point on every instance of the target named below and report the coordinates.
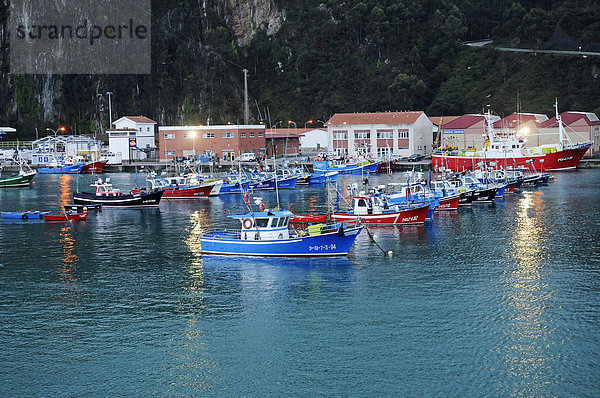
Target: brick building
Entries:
(226, 141)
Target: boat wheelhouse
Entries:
(267, 233)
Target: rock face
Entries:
(245, 18)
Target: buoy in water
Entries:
(33, 183)
(390, 253)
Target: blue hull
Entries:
(268, 184)
(24, 215)
(74, 169)
(320, 178)
(234, 187)
(328, 244)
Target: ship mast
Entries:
(561, 128)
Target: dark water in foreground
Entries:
(491, 301)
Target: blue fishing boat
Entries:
(24, 215)
(61, 169)
(234, 185)
(319, 178)
(267, 233)
(270, 182)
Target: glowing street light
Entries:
(193, 134)
(61, 128)
(308, 122)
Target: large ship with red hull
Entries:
(509, 152)
(559, 160)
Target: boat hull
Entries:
(20, 180)
(182, 193)
(72, 169)
(94, 167)
(448, 203)
(151, 199)
(271, 183)
(24, 215)
(413, 215)
(323, 245)
(66, 217)
(560, 160)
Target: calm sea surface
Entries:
(499, 300)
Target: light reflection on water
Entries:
(527, 333)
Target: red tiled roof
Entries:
(514, 120)
(569, 118)
(464, 122)
(374, 118)
(140, 119)
(443, 119)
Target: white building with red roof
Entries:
(133, 137)
(380, 134)
(580, 127)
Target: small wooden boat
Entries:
(67, 216)
(83, 208)
(24, 215)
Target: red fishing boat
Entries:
(94, 167)
(375, 210)
(509, 152)
(181, 189)
(67, 216)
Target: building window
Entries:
(251, 135)
(403, 134)
(242, 135)
(340, 135)
(169, 153)
(227, 135)
(168, 136)
(208, 135)
(185, 135)
(147, 128)
(362, 135)
(260, 134)
(385, 134)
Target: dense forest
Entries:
(309, 59)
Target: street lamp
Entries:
(308, 122)
(109, 93)
(61, 128)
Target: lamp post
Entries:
(61, 128)
(109, 93)
(308, 122)
(273, 147)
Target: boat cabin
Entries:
(106, 188)
(265, 225)
(363, 205)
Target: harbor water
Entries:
(492, 300)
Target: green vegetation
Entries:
(331, 56)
